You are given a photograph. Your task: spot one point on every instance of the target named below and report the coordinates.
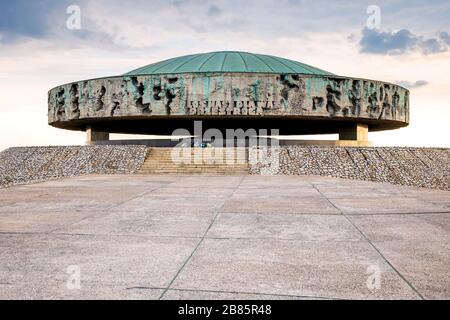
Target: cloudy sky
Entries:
(409, 45)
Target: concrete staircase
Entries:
(210, 161)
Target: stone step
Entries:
(194, 164)
(150, 164)
(195, 159)
(195, 171)
(193, 153)
(200, 155)
(158, 149)
(195, 167)
(211, 161)
(199, 152)
(213, 165)
(207, 162)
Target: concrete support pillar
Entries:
(356, 134)
(92, 136)
(357, 131)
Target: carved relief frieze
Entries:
(229, 95)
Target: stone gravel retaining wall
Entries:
(420, 167)
(37, 164)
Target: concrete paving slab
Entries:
(8, 195)
(110, 194)
(319, 269)
(300, 192)
(277, 237)
(207, 181)
(399, 227)
(373, 205)
(30, 222)
(440, 220)
(186, 204)
(209, 295)
(56, 205)
(167, 224)
(274, 182)
(425, 264)
(338, 192)
(58, 290)
(99, 183)
(201, 192)
(111, 260)
(284, 226)
(279, 204)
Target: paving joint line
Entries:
(200, 242)
(375, 248)
(104, 212)
(256, 293)
(146, 236)
(144, 288)
(393, 213)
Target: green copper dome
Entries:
(228, 61)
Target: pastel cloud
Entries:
(400, 42)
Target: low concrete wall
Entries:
(420, 167)
(37, 164)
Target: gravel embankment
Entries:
(37, 164)
(419, 167)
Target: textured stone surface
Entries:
(217, 295)
(403, 227)
(36, 164)
(36, 258)
(278, 204)
(228, 94)
(57, 290)
(138, 243)
(308, 227)
(423, 262)
(318, 269)
(420, 167)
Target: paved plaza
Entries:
(223, 237)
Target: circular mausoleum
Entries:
(228, 90)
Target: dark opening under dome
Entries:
(228, 61)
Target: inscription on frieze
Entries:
(228, 95)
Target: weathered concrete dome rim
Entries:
(241, 89)
(235, 73)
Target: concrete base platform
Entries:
(333, 143)
(227, 237)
